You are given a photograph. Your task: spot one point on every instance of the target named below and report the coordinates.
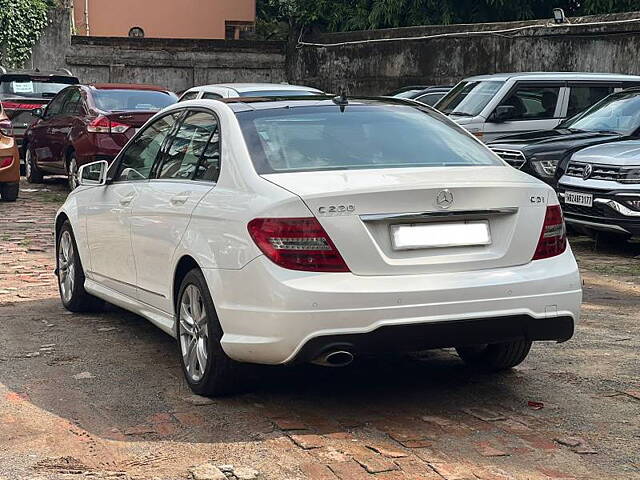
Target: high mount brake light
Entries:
(553, 238)
(297, 244)
(22, 106)
(104, 124)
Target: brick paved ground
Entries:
(101, 396)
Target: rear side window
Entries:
(128, 100)
(192, 153)
(582, 98)
(360, 137)
(533, 102)
(211, 96)
(430, 98)
(188, 96)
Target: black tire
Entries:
(72, 170)
(32, 172)
(77, 299)
(9, 191)
(221, 375)
(496, 357)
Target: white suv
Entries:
(317, 231)
(491, 106)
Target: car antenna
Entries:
(341, 100)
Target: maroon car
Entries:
(86, 123)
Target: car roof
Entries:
(126, 86)
(244, 104)
(554, 76)
(255, 87)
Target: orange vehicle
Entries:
(9, 161)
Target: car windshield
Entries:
(127, 100)
(29, 86)
(278, 93)
(617, 113)
(357, 137)
(468, 98)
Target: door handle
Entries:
(124, 201)
(180, 199)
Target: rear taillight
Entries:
(5, 161)
(553, 239)
(6, 128)
(22, 106)
(103, 124)
(297, 244)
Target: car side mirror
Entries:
(503, 113)
(38, 112)
(94, 173)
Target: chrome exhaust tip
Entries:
(335, 358)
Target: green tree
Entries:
(21, 24)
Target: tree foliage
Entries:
(21, 24)
(341, 15)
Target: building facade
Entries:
(209, 19)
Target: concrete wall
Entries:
(161, 18)
(174, 63)
(382, 60)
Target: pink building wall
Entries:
(161, 18)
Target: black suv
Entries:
(23, 91)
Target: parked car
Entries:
(233, 90)
(616, 117)
(491, 106)
(23, 91)
(600, 190)
(9, 161)
(426, 95)
(319, 237)
(85, 123)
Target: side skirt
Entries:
(160, 319)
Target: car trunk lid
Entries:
(362, 209)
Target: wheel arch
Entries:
(184, 266)
(60, 219)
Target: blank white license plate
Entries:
(576, 198)
(440, 235)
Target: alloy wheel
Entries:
(66, 266)
(194, 333)
(27, 164)
(73, 174)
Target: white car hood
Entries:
(623, 154)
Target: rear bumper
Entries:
(272, 315)
(423, 336)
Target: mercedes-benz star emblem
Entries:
(444, 199)
(588, 170)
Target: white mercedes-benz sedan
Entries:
(318, 230)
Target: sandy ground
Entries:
(102, 395)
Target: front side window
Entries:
(190, 154)
(360, 137)
(532, 102)
(128, 100)
(138, 158)
(55, 106)
(430, 98)
(468, 99)
(73, 105)
(617, 113)
(582, 98)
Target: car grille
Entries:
(600, 172)
(515, 158)
(598, 210)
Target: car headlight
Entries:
(633, 203)
(545, 164)
(630, 175)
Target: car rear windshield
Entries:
(617, 113)
(127, 100)
(278, 93)
(468, 99)
(362, 136)
(30, 86)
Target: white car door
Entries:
(536, 106)
(186, 170)
(108, 211)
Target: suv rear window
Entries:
(32, 86)
(362, 136)
(127, 100)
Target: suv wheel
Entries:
(499, 356)
(71, 275)
(31, 170)
(206, 367)
(9, 191)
